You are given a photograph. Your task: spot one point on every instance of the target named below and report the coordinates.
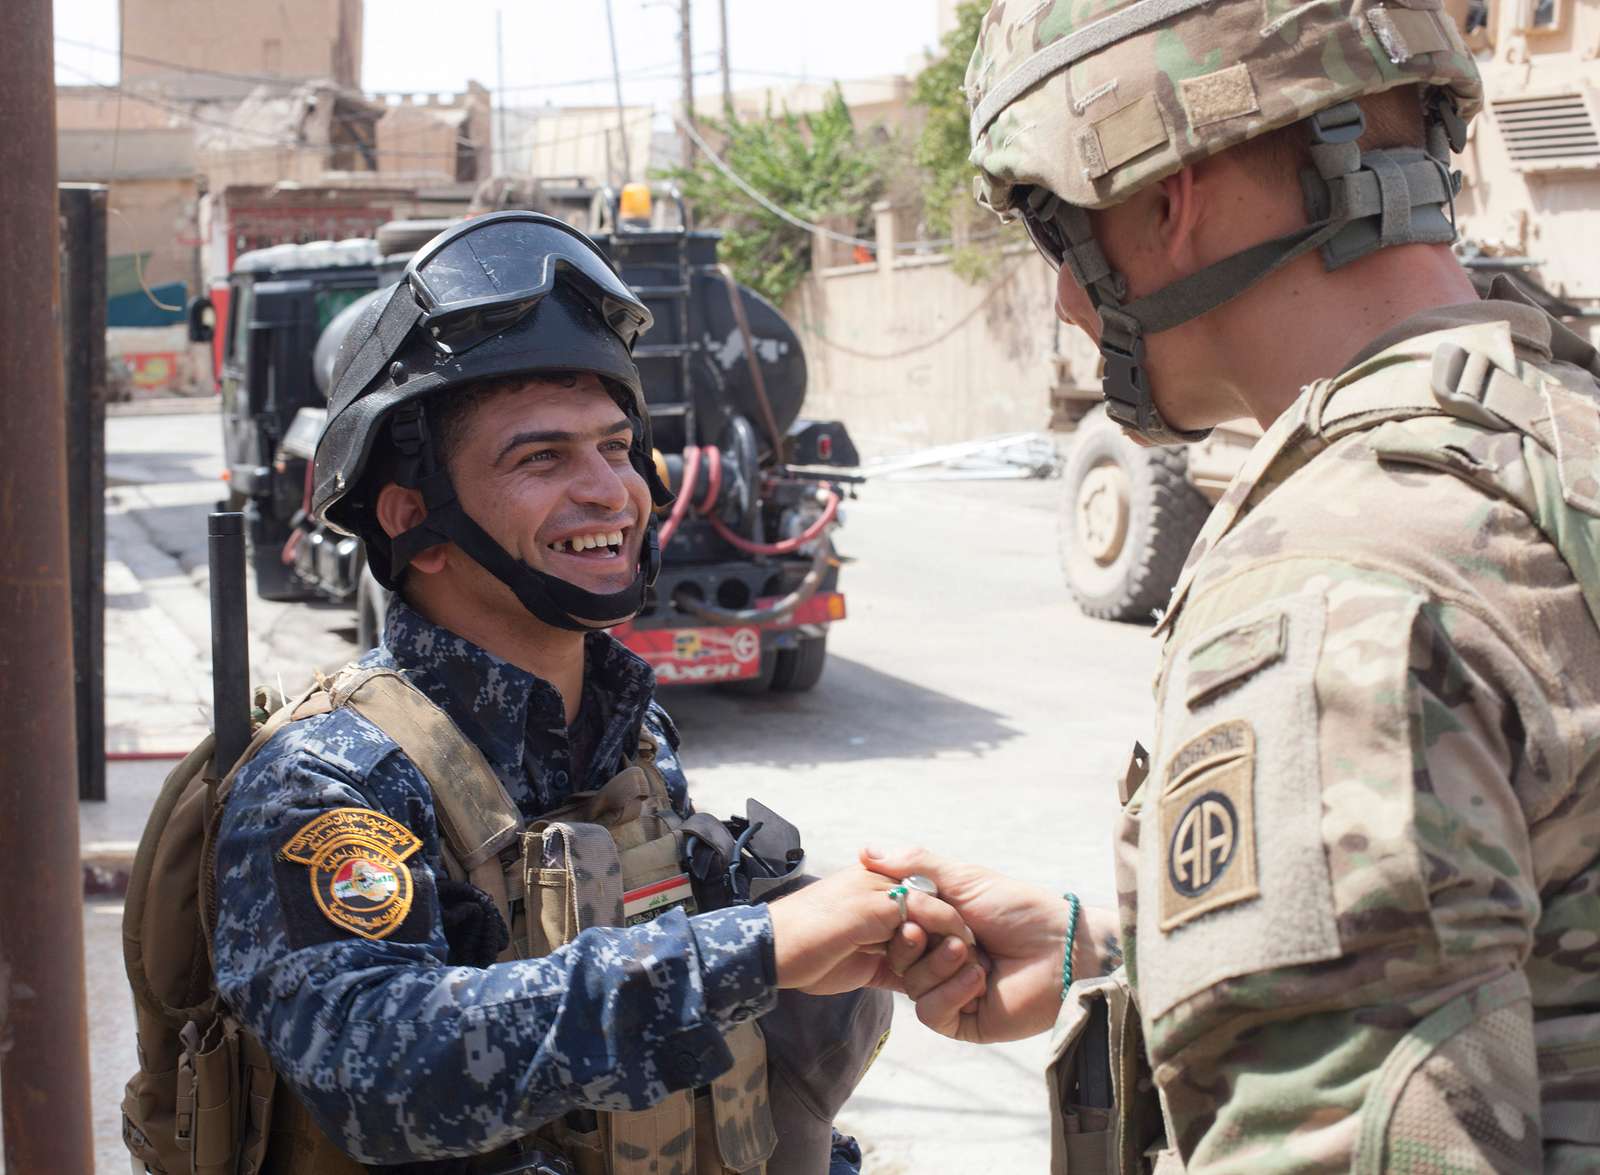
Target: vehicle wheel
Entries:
(759, 684)
(799, 669)
(372, 606)
(1128, 519)
(275, 579)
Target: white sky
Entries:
(409, 46)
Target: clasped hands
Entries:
(983, 960)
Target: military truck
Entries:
(749, 581)
(1529, 207)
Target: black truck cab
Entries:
(748, 585)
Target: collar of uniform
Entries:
(1530, 326)
(504, 710)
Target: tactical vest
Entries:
(206, 1099)
(1439, 401)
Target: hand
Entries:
(1021, 927)
(832, 935)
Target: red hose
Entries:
(144, 756)
(788, 546)
(713, 456)
(292, 544)
(692, 456)
(691, 470)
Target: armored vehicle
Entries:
(749, 580)
(1529, 206)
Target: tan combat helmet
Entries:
(1078, 104)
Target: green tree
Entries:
(815, 166)
(942, 148)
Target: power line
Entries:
(788, 217)
(821, 81)
(198, 70)
(275, 140)
(660, 72)
(1000, 283)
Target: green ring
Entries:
(898, 892)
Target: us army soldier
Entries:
(1358, 880)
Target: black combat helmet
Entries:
(511, 293)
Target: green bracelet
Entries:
(1072, 933)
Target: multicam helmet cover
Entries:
(1094, 100)
(1078, 104)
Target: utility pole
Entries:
(727, 79)
(616, 78)
(44, 1067)
(498, 164)
(685, 46)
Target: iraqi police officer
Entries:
(1359, 873)
(452, 898)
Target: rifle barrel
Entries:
(230, 638)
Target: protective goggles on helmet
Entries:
(486, 274)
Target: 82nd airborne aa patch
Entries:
(357, 872)
(1208, 824)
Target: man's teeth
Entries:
(587, 542)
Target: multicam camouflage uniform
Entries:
(1361, 885)
(1360, 875)
(402, 1055)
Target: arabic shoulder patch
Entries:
(355, 874)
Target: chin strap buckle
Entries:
(1125, 384)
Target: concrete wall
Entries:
(581, 142)
(420, 137)
(1547, 209)
(909, 354)
(296, 40)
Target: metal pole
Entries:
(497, 157)
(44, 1066)
(727, 78)
(230, 648)
(616, 78)
(685, 46)
(83, 332)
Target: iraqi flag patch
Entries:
(647, 902)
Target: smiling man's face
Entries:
(543, 467)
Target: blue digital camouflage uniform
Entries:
(401, 1056)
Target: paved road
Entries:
(966, 706)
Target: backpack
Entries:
(202, 1098)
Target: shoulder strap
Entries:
(1471, 373)
(476, 816)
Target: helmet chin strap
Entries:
(548, 597)
(1357, 202)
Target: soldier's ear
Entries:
(400, 509)
(1179, 212)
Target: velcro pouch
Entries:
(740, 1108)
(1104, 1109)
(209, 1096)
(572, 879)
(657, 1141)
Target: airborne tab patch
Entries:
(358, 877)
(1208, 824)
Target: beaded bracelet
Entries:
(1072, 932)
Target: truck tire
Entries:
(1128, 519)
(760, 683)
(800, 668)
